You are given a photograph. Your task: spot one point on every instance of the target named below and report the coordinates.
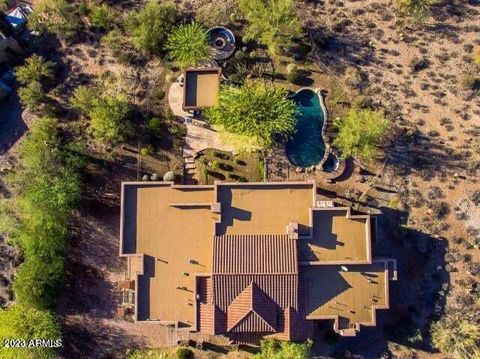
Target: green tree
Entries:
(82, 99)
(187, 45)
(254, 111)
(35, 69)
(102, 16)
(108, 115)
(21, 322)
(56, 16)
(418, 9)
(274, 349)
(457, 335)
(38, 280)
(359, 132)
(32, 94)
(151, 25)
(272, 22)
(109, 119)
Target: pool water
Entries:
(307, 148)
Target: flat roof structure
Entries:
(201, 88)
(249, 260)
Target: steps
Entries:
(190, 168)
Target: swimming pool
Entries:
(307, 148)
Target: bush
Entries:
(101, 16)
(268, 22)
(146, 150)
(35, 69)
(158, 94)
(476, 56)
(418, 9)
(184, 353)
(293, 75)
(274, 349)
(113, 41)
(31, 95)
(150, 26)
(56, 16)
(154, 123)
(360, 132)
(187, 45)
(456, 335)
(216, 165)
(108, 114)
(470, 80)
(26, 323)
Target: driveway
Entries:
(12, 126)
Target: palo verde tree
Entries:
(108, 114)
(272, 22)
(254, 111)
(458, 335)
(150, 27)
(187, 45)
(360, 132)
(275, 349)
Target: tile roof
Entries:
(252, 311)
(254, 254)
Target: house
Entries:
(10, 49)
(249, 260)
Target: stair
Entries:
(189, 170)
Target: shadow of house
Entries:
(229, 213)
(143, 292)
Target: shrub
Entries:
(31, 95)
(216, 165)
(150, 26)
(362, 102)
(154, 123)
(56, 16)
(158, 94)
(113, 40)
(294, 75)
(21, 322)
(360, 132)
(187, 45)
(254, 111)
(274, 349)
(456, 335)
(184, 353)
(35, 69)
(440, 209)
(476, 56)
(269, 22)
(146, 150)
(418, 9)
(108, 114)
(470, 80)
(101, 16)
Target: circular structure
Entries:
(169, 176)
(222, 41)
(331, 163)
(307, 148)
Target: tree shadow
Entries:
(339, 51)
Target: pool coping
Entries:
(328, 149)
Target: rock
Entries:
(145, 178)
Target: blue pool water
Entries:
(306, 148)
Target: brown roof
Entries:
(224, 259)
(252, 311)
(254, 254)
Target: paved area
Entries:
(12, 126)
(198, 138)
